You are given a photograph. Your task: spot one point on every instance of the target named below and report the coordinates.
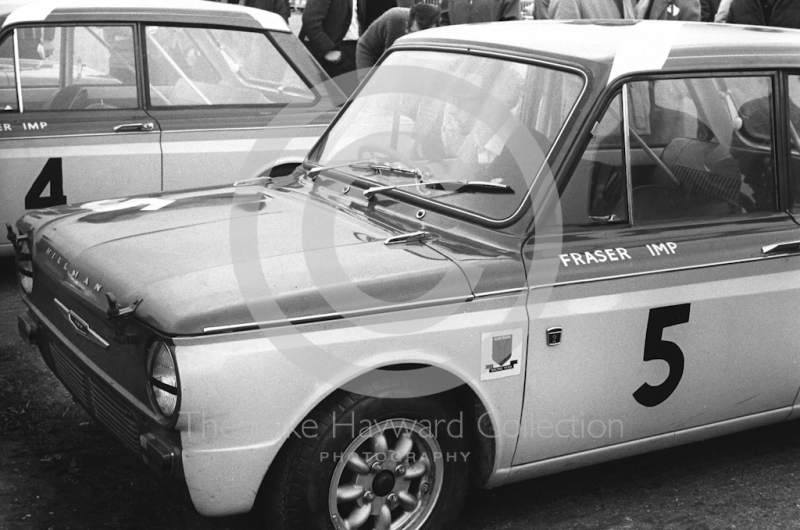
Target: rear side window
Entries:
(203, 66)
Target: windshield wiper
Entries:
(377, 167)
(446, 185)
(314, 171)
(394, 167)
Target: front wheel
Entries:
(373, 464)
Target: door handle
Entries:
(781, 248)
(126, 127)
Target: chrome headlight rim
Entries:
(158, 389)
(23, 252)
(24, 265)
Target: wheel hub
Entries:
(383, 484)
(365, 494)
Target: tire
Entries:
(328, 468)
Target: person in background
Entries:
(708, 10)
(280, 7)
(330, 31)
(688, 10)
(540, 9)
(389, 27)
(779, 13)
(473, 11)
(722, 11)
(375, 8)
(592, 9)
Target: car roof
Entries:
(623, 47)
(163, 11)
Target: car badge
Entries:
(501, 349)
(80, 325)
(74, 274)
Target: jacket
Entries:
(325, 24)
(688, 10)
(280, 7)
(785, 13)
(473, 11)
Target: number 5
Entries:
(655, 347)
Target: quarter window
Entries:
(202, 66)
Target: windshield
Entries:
(452, 116)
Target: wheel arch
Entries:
(480, 422)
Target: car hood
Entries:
(214, 260)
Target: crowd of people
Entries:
(347, 37)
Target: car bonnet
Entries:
(225, 259)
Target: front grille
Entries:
(107, 408)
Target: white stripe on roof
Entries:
(643, 49)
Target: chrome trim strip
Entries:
(89, 333)
(501, 292)
(263, 128)
(659, 271)
(17, 74)
(338, 315)
(85, 135)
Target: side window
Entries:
(701, 148)
(8, 77)
(203, 66)
(77, 68)
(596, 194)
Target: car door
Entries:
(677, 293)
(72, 127)
(233, 104)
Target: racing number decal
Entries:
(51, 174)
(657, 348)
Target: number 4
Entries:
(655, 347)
(51, 174)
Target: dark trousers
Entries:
(343, 72)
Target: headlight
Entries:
(163, 379)
(24, 265)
